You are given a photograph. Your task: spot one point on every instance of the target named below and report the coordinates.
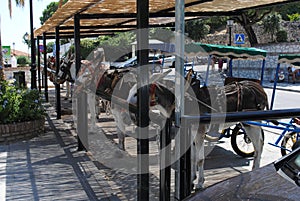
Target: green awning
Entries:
(293, 59)
(225, 51)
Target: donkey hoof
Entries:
(199, 188)
(122, 147)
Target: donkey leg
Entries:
(193, 162)
(68, 90)
(256, 135)
(200, 165)
(121, 138)
(98, 106)
(258, 147)
(120, 127)
(91, 103)
(200, 155)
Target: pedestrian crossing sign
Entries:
(239, 39)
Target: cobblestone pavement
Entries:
(49, 167)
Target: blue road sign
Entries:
(239, 39)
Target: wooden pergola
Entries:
(91, 18)
(107, 16)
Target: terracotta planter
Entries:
(14, 132)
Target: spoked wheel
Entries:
(288, 142)
(241, 143)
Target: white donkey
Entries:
(88, 78)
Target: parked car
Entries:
(167, 61)
(124, 64)
(132, 62)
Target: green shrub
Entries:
(19, 104)
(294, 17)
(281, 36)
(22, 60)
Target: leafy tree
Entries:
(196, 29)
(18, 3)
(294, 17)
(281, 36)
(49, 47)
(271, 24)
(50, 10)
(162, 34)
(216, 23)
(118, 46)
(288, 9)
(118, 40)
(86, 47)
(247, 19)
(22, 60)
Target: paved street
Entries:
(49, 167)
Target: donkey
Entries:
(87, 80)
(118, 86)
(237, 96)
(66, 73)
(234, 97)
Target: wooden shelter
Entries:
(91, 18)
(108, 16)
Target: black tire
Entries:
(241, 143)
(288, 142)
(173, 64)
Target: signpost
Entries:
(239, 39)
(6, 52)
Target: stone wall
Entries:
(20, 131)
(252, 69)
(222, 37)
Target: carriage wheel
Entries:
(241, 143)
(288, 142)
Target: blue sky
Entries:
(13, 29)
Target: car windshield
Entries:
(153, 58)
(130, 60)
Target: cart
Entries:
(289, 139)
(240, 142)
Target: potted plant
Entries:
(22, 115)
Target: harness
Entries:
(153, 99)
(238, 91)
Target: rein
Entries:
(202, 103)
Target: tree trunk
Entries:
(251, 35)
(2, 77)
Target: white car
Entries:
(168, 61)
(132, 62)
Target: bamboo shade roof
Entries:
(64, 16)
